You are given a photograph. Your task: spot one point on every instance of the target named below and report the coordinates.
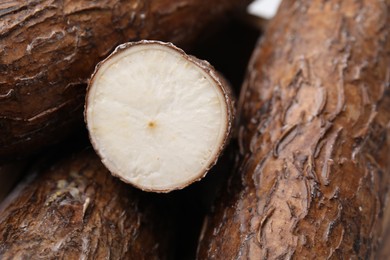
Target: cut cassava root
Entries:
(49, 48)
(314, 172)
(157, 117)
(74, 209)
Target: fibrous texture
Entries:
(49, 48)
(314, 139)
(158, 118)
(74, 209)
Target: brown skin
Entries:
(75, 209)
(314, 135)
(49, 49)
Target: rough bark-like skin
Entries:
(76, 210)
(314, 138)
(49, 48)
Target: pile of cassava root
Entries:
(297, 159)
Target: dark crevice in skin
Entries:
(314, 138)
(11, 9)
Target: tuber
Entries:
(49, 48)
(74, 209)
(314, 137)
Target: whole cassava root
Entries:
(49, 48)
(314, 138)
(75, 209)
(157, 117)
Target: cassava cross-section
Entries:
(314, 173)
(49, 48)
(157, 117)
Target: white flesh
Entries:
(156, 118)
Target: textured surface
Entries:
(75, 209)
(314, 139)
(49, 48)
